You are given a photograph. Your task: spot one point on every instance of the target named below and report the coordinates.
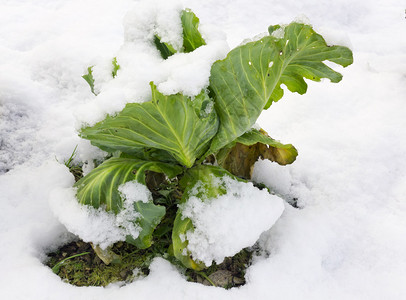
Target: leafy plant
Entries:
(178, 137)
(89, 79)
(116, 67)
(192, 39)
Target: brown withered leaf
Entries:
(241, 159)
(251, 146)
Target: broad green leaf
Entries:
(174, 123)
(89, 79)
(249, 79)
(100, 186)
(156, 155)
(151, 216)
(205, 176)
(150, 154)
(239, 156)
(116, 67)
(192, 39)
(179, 243)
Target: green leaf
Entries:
(89, 76)
(151, 216)
(157, 155)
(205, 176)
(174, 123)
(192, 39)
(179, 243)
(89, 79)
(249, 79)
(116, 67)
(100, 186)
(165, 49)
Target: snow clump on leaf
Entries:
(230, 222)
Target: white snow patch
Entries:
(276, 177)
(97, 225)
(283, 181)
(134, 191)
(256, 126)
(231, 222)
(140, 62)
(209, 108)
(87, 167)
(335, 37)
(101, 72)
(168, 23)
(302, 19)
(254, 39)
(279, 33)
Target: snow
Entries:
(91, 225)
(279, 33)
(230, 222)
(133, 191)
(140, 62)
(303, 19)
(347, 241)
(96, 225)
(255, 38)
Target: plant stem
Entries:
(68, 163)
(55, 269)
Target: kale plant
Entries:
(194, 141)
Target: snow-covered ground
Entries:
(348, 240)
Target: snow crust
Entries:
(348, 239)
(231, 222)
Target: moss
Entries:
(89, 270)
